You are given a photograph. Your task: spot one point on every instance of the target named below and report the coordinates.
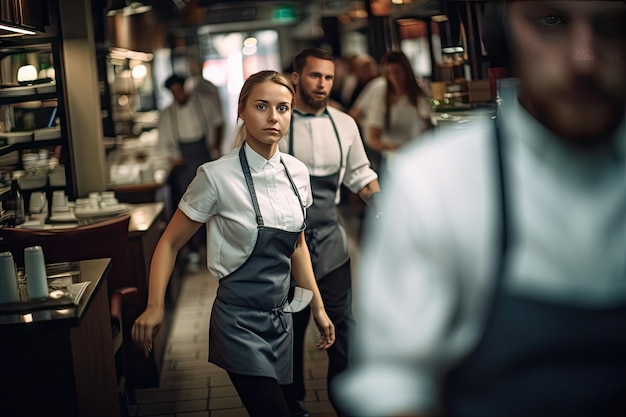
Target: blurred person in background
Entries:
(253, 202)
(327, 140)
(374, 91)
(495, 282)
(196, 83)
(402, 114)
(362, 68)
(190, 133)
(341, 82)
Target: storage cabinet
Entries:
(33, 120)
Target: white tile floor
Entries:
(192, 387)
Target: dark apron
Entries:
(325, 236)
(249, 332)
(538, 358)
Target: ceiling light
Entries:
(17, 30)
(26, 73)
(136, 8)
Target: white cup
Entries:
(59, 199)
(38, 203)
(8, 279)
(85, 204)
(35, 268)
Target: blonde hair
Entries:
(246, 90)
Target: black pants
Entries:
(262, 396)
(336, 291)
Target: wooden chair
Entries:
(106, 239)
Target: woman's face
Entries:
(570, 57)
(396, 76)
(267, 114)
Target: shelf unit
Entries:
(13, 47)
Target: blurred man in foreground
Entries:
(495, 282)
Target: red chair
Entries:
(106, 239)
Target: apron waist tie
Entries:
(277, 312)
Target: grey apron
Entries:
(538, 358)
(325, 236)
(250, 334)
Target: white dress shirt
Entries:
(197, 117)
(315, 143)
(426, 269)
(219, 196)
(406, 121)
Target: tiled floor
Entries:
(192, 387)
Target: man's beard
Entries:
(313, 102)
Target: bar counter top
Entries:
(46, 313)
(61, 362)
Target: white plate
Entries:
(47, 133)
(17, 91)
(46, 87)
(63, 217)
(85, 213)
(17, 137)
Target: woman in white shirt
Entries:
(403, 112)
(253, 202)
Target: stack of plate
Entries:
(17, 137)
(17, 91)
(47, 133)
(56, 176)
(43, 88)
(88, 215)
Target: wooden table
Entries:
(60, 362)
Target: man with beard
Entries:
(327, 140)
(495, 283)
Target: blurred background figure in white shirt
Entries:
(190, 132)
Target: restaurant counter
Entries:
(60, 361)
(147, 222)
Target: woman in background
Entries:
(402, 114)
(253, 201)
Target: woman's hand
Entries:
(326, 328)
(146, 328)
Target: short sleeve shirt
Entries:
(219, 197)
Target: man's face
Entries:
(570, 57)
(314, 84)
(179, 93)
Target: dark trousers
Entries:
(261, 396)
(336, 291)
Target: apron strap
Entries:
(248, 176)
(246, 173)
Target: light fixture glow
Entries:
(249, 50)
(27, 73)
(250, 42)
(139, 71)
(18, 30)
